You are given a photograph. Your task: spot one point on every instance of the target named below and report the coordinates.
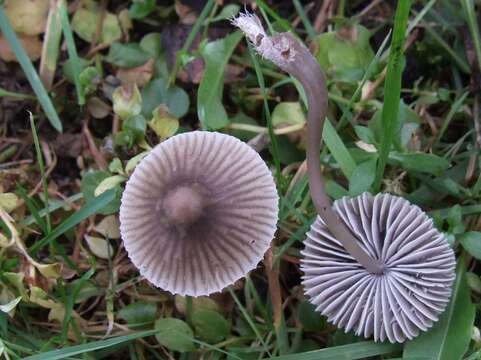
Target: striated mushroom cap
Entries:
(413, 290)
(198, 213)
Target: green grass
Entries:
(392, 88)
(426, 151)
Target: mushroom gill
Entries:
(198, 213)
(413, 289)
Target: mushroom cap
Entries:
(198, 213)
(419, 269)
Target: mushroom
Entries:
(412, 291)
(198, 213)
(374, 264)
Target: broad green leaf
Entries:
(136, 127)
(91, 181)
(471, 242)
(138, 314)
(421, 162)
(152, 44)
(127, 55)
(68, 69)
(210, 326)
(362, 177)
(310, 319)
(174, 334)
(288, 152)
(141, 8)
(216, 54)
(115, 166)
(365, 134)
(287, 113)
(84, 24)
(346, 52)
(156, 92)
(88, 80)
(338, 150)
(450, 336)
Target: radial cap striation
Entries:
(413, 290)
(198, 213)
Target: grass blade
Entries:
(88, 209)
(41, 165)
(190, 38)
(392, 87)
(15, 96)
(29, 71)
(338, 150)
(51, 45)
(72, 50)
(470, 13)
(358, 350)
(91, 346)
(305, 20)
(273, 139)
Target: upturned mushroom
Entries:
(372, 264)
(198, 213)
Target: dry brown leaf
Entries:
(31, 44)
(27, 16)
(139, 75)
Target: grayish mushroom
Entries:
(198, 213)
(407, 297)
(375, 265)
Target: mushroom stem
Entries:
(294, 58)
(309, 74)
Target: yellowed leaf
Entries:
(51, 271)
(8, 201)
(109, 183)
(163, 123)
(40, 297)
(27, 16)
(57, 313)
(99, 246)
(132, 163)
